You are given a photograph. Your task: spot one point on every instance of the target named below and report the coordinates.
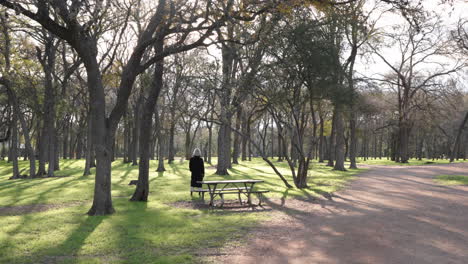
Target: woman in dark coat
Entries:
(197, 168)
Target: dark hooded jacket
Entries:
(198, 171)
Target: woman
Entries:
(198, 170)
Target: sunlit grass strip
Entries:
(452, 179)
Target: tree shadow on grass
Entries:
(66, 164)
(16, 193)
(124, 177)
(176, 170)
(70, 248)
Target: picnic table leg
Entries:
(249, 193)
(222, 199)
(211, 194)
(240, 199)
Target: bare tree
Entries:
(418, 70)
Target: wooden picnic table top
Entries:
(230, 181)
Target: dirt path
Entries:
(388, 215)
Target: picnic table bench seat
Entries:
(221, 191)
(225, 189)
(219, 188)
(259, 194)
(238, 191)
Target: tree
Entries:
(412, 73)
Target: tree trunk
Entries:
(188, 143)
(339, 132)
(50, 117)
(102, 136)
(57, 152)
(128, 141)
(142, 188)
(42, 142)
(403, 142)
(171, 154)
(125, 137)
(224, 135)
(161, 144)
(89, 146)
(244, 139)
(14, 148)
(249, 146)
(331, 147)
(235, 152)
(224, 147)
(280, 148)
(136, 126)
(302, 171)
(65, 138)
(210, 142)
(71, 147)
(352, 139)
(457, 138)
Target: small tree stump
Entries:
(133, 182)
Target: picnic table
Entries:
(239, 187)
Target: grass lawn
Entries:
(411, 162)
(152, 232)
(452, 179)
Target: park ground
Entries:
(389, 214)
(44, 220)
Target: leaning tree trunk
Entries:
(302, 171)
(142, 188)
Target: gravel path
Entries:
(390, 214)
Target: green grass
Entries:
(411, 162)
(452, 179)
(152, 232)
